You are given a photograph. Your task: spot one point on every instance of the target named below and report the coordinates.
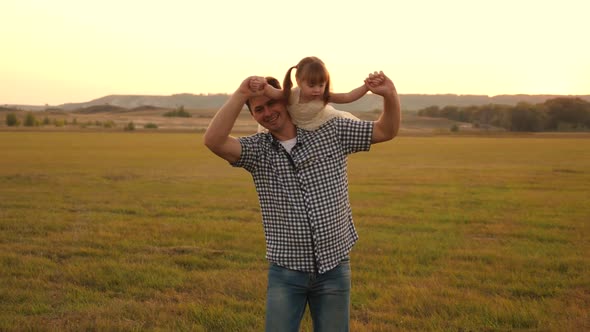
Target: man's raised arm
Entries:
(387, 126)
(217, 136)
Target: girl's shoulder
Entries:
(294, 96)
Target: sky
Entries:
(60, 51)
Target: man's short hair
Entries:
(270, 80)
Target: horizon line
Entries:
(228, 94)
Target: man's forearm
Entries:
(391, 115)
(222, 123)
(388, 124)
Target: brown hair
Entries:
(269, 80)
(312, 70)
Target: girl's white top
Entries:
(310, 115)
(313, 114)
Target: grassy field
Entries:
(150, 231)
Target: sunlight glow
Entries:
(71, 51)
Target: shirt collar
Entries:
(301, 135)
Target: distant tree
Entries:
(563, 114)
(12, 120)
(527, 117)
(500, 116)
(574, 111)
(449, 112)
(130, 126)
(179, 112)
(431, 111)
(30, 120)
(467, 113)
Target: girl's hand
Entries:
(252, 86)
(380, 84)
(375, 79)
(256, 84)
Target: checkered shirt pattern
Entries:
(303, 196)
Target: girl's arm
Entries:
(259, 83)
(343, 98)
(272, 92)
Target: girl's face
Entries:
(311, 91)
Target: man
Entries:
(302, 186)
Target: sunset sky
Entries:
(61, 51)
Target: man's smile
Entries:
(272, 118)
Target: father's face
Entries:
(271, 114)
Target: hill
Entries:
(410, 102)
(190, 101)
(100, 109)
(413, 102)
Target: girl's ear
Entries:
(299, 82)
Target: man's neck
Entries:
(286, 133)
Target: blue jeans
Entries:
(328, 296)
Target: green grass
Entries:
(150, 231)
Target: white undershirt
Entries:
(289, 144)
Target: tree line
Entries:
(31, 121)
(557, 114)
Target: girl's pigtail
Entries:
(287, 85)
(326, 96)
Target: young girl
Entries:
(308, 103)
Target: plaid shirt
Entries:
(304, 195)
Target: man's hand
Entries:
(217, 137)
(375, 79)
(379, 84)
(252, 86)
(387, 126)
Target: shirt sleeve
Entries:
(249, 157)
(355, 135)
